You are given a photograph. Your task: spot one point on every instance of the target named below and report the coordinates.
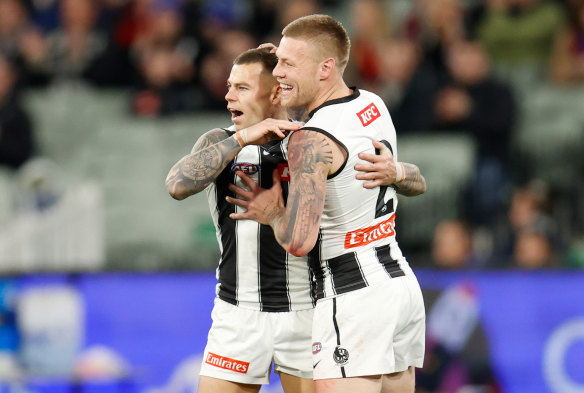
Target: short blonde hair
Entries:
(325, 32)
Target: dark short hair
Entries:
(258, 55)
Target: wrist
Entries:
(241, 137)
(400, 173)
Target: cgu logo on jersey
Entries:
(227, 363)
(248, 169)
(284, 172)
(369, 114)
(364, 236)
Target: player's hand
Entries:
(268, 130)
(379, 170)
(268, 45)
(262, 205)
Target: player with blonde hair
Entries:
(369, 321)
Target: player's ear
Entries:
(326, 68)
(276, 94)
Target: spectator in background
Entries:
(435, 24)
(230, 43)
(567, 65)
(533, 249)
(77, 50)
(165, 60)
(133, 21)
(212, 81)
(371, 30)
(407, 85)
(208, 19)
(22, 43)
(452, 247)
(286, 13)
(520, 33)
(14, 24)
(215, 68)
(44, 14)
(293, 10)
(471, 101)
(530, 242)
(16, 135)
(163, 28)
(161, 92)
(263, 20)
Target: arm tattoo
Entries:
(310, 157)
(414, 183)
(210, 155)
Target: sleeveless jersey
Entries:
(254, 271)
(356, 246)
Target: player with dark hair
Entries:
(265, 299)
(264, 305)
(369, 320)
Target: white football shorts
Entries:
(243, 343)
(375, 330)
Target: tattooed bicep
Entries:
(210, 138)
(311, 151)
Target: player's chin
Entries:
(240, 125)
(288, 101)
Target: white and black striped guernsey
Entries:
(254, 271)
(356, 246)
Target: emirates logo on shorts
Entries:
(227, 363)
(340, 356)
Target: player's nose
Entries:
(230, 95)
(278, 71)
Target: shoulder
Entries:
(310, 139)
(308, 147)
(368, 97)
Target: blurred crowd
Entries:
(440, 66)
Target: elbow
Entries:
(300, 249)
(176, 195)
(423, 187)
(177, 192)
(297, 251)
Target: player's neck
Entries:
(280, 113)
(337, 90)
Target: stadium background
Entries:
(108, 282)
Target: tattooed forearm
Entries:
(414, 183)
(310, 157)
(209, 139)
(195, 171)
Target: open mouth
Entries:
(235, 114)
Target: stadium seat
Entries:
(65, 119)
(91, 136)
(6, 195)
(131, 159)
(551, 133)
(447, 163)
